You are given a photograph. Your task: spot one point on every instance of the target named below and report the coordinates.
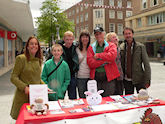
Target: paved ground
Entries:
(156, 90)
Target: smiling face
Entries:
(57, 51)
(128, 35)
(33, 46)
(84, 40)
(114, 39)
(99, 37)
(68, 41)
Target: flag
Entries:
(2, 33)
(12, 35)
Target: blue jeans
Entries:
(72, 88)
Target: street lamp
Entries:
(57, 32)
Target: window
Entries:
(86, 16)
(111, 27)
(86, 27)
(111, 14)
(81, 8)
(139, 22)
(77, 32)
(82, 28)
(129, 4)
(119, 3)
(98, 2)
(144, 4)
(77, 10)
(98, 13)
(70, 14)
(156, 18)
(73, 12)
(119, 14)
(81, 18)
(1, 52)
(99, 25)
(73, 21)
(86, 5)
(128, 13)
(9, 52)
(77, 20)
(111, 3)
(154, 2)
(120, 28)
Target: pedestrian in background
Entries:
(135, 63)
(71, 57)
(56, 73)
(101, 57)
(26, 71)
(84, 71)
(112, 37)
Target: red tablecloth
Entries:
(25, 117)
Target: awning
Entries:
(17, 17)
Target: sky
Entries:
(35, 6)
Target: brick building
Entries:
(148, 22)
(109, 14)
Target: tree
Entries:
(51, 16)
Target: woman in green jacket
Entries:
(59, 80)
(27, 70)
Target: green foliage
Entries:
(51, 16)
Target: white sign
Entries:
(38, 91)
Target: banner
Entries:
(2, 33)
(12, 35)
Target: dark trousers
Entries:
(82, 86)
(129, 87)
(103, 84)
(72, 88)
(119, 88)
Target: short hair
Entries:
(109, 35)
(127, 28)
(68, 33)
(57, 46)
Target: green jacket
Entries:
(24, 73)
(141, 71)
(59, 80)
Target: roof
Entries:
(17, 17)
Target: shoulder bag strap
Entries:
(55, 69)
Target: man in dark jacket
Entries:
(71, 57)
(135, 63)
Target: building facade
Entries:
(148, 22)
(14, 17)
(109, 14)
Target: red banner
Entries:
(2, 33)
(12, 35)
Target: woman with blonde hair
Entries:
(112, 37)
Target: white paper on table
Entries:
(38, 91)
(125, 106)
(104, 107)
(92, 86)
(53, 105)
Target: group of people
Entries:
(115, 68)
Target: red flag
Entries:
(2, 33)
(12, 35)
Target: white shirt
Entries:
(84, 71)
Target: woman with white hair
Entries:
(112, 37)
